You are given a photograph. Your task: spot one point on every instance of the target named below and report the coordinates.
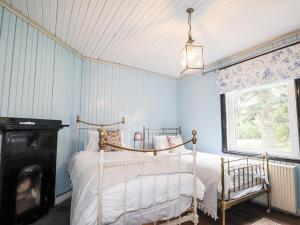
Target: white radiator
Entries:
(283, 187)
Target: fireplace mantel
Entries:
(28, 149)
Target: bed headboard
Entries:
(148, 134)
(82, 128)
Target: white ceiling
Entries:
(150, 34)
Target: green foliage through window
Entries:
(262, 118)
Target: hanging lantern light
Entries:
(192, 53)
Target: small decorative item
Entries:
(138, 137)
(192, 53)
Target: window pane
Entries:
(262, 118)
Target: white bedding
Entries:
(141, 207)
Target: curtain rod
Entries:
(265, 53)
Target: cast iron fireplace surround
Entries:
(27, 168)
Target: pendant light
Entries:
(192, 53)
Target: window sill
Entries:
(275, 158)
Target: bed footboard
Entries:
(245, 174)
(173, 165)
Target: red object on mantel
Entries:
(138, 136)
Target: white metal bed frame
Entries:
(189, 215)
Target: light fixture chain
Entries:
(190, 25)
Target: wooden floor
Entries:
(243, 214)
(248, 213)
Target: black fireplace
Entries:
(27, 168)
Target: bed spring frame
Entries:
(241, 169)
(189, 215)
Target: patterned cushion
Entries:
(112, 137)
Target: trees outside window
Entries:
(263, 119)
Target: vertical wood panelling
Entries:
(110, 92)
(40, 79)
(199, 108)
(9, 39)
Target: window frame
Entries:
(286, 158)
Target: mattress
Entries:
(241, 193)
(155, 201)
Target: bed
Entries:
(228, 180)
(127, 186)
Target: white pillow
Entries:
(175, 140)
(93, 140)
(160, 142)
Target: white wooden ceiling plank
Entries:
(173, 54)
(67, 18)
(53, 4)
(212, 10)
(60, 17)
(15, 4)
(38, 11)
(81, 17)
(134, 24)
(92, 19)
(46, 14)
(156, 18)
(165, 33)
(127, 28)
(111, 35)
(137, 28)
(8, 2)
(107, 14)
(111, 27)
(157, 56)
(165, 27)
(168, 63)
(82, 29)
(72, 20)
(23, 7)
(31, 9)
(150, 50)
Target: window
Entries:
(263, 119)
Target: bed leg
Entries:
(223, 216)
(269, 201)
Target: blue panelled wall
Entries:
(199, 108)
(110, 91)
(41, 79)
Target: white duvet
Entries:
(155, 202)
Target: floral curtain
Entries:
(272, 67)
